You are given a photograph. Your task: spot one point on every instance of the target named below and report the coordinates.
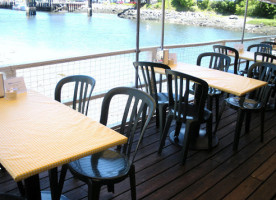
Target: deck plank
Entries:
(266, 190)
(249, 185)
(201, 185)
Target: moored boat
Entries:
(19, 6)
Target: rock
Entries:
(233, 17)
(208, 19)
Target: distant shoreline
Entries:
(231, 22)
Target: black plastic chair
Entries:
(186, 108)
(114, 165)
(147, 76)
(82, 87)
(216, 61)
(225, 50)
(265, 57)
(263, 48)
(270, 59)
(256, 101)
(79, 91)
(269, 43)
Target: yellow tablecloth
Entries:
(247, 55)
(224, 81)
(38, 133)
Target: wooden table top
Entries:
(224, 81)
(247, 55)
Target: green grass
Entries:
(267, 22)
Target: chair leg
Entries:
(157, 116)
(219, 117)
(143, 118)
(238, 129)
(110, 188)
(247, 122)
(217, 107)
(177, 131)
(262, 124)
(275, 99)
(21, 188)
(209, 132)
(165, 133)
(162, 118)
(186, 141)
(132, 182)
(93, 191)
(210, 103)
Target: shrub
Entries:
(183, 5)
(203, 5)
(257, 9)
(223, 7)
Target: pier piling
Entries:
(89, 8)
(30, 7)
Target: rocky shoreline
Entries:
(186, 18)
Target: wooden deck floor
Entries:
(249, 173)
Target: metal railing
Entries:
(110, 70)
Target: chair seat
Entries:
(163, 98)
(214, 92)
(103, 165)
(248, 104)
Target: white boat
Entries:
(19, 6)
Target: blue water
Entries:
(56, 35)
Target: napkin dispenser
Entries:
(162, 55)
(2, 90)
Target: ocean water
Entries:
(61, 35)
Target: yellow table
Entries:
(248, 55)
(39, 134)
(224, 81)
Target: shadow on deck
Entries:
(218, 174)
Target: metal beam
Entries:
(244, 22)
(163, 24)
(138, 30)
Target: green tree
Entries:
(264, 10)
(203, 5)
(223, 7)
(257, 9)
(183, 5)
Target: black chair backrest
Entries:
(265, 57)
(265, 72)
(214, 61)
(138, 104)
(181, 101)
(81, 88)
(269, 43)
(146, 74)
(264, 48)
(225, 50)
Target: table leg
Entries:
(198, 143)
(32, 188)
(56, 183)
(238, 129)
